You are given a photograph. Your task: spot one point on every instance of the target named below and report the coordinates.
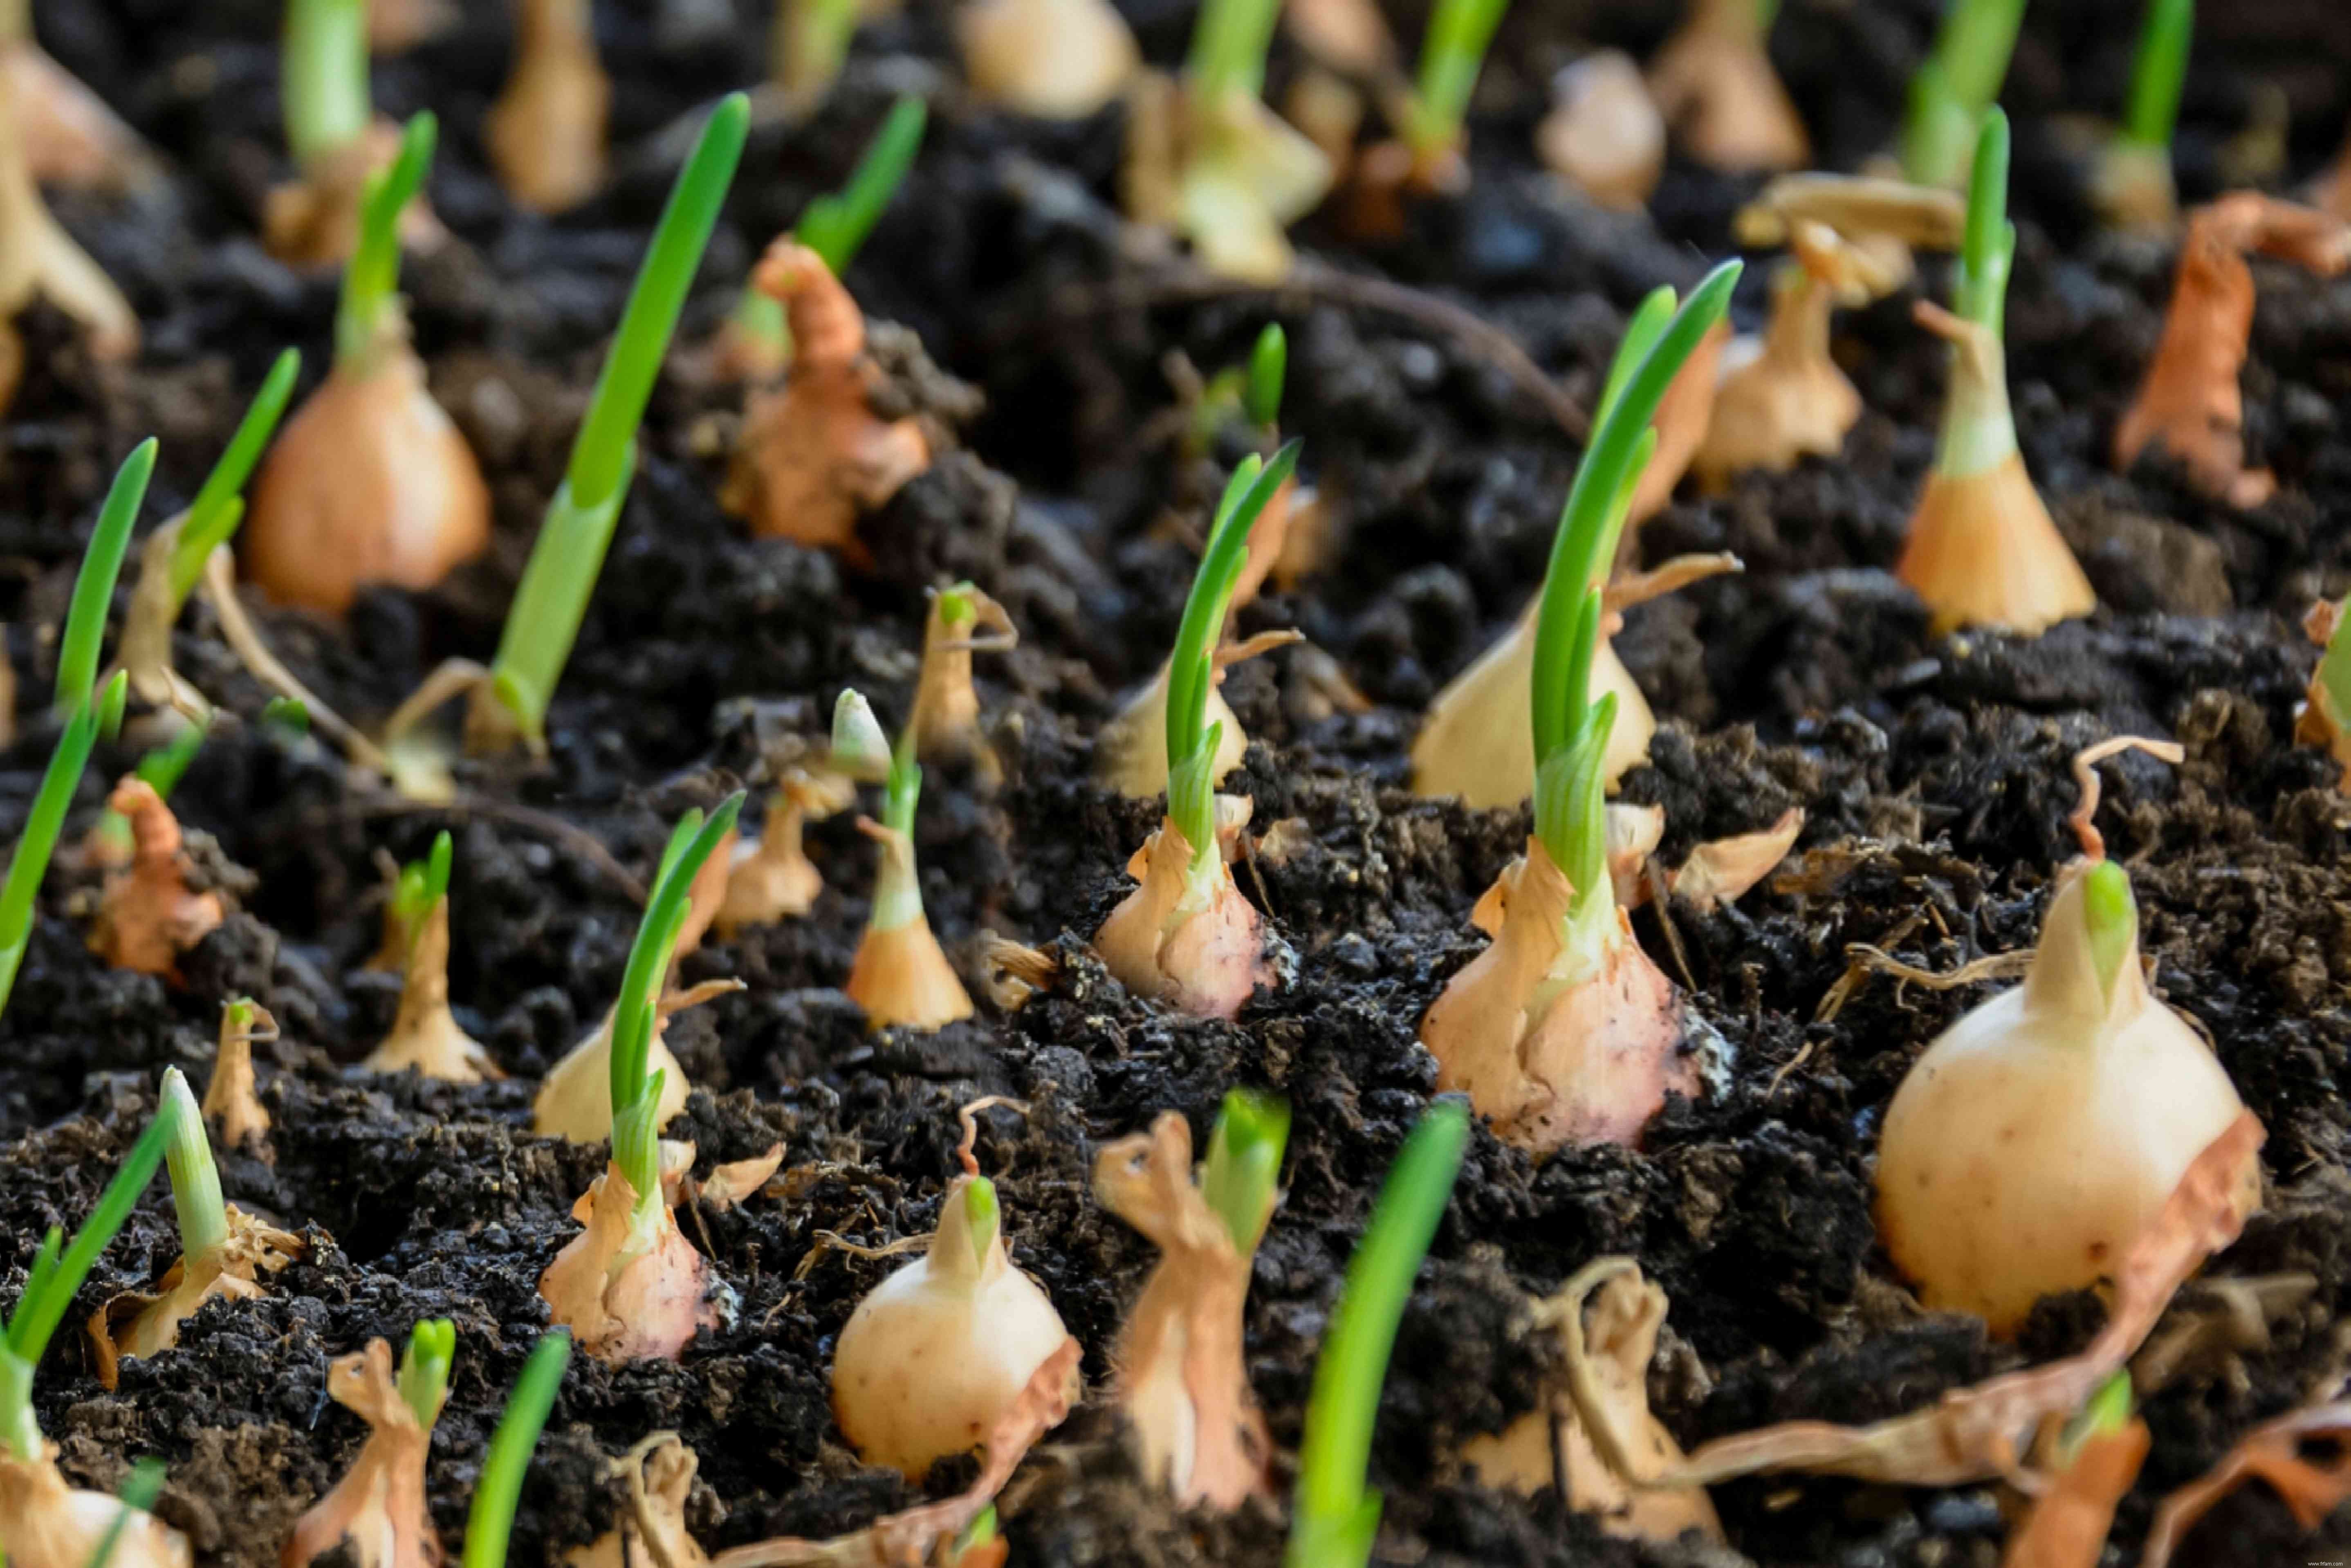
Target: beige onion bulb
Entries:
(2042, 1132)
(940, 1349)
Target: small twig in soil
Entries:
(1313, 283)
(543, 824)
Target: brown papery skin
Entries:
(379, 1505)
(1715, 84)
(1983, 552)
(1598, 1059)
(946, 716)
(1604, 134)
(2190, 404)
(2316, 722)
(770, 878)
(1180, 1375)
(668, 1480)
(1782, 397)
(425, 1034)
(902, 979)
(313, 222)
(45, 1523)
(642, 1308)
(1205, 961)
(812, 457)
(141, 1325)
(546, 132)
(2068, 1525)
(147, 917)
(232, 1103)
(369, 482)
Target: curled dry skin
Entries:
(546, 132)
(660, 1473)
(812, 456)
(45, 1523)
(1555, 1060)
(147, 916)
(1982, 551)
(425, 1034)
(378, 1508)
(1716, 87)
(369, 482)
(135, 1323)
(1187, 937)
(313, 222)
(1180, 1377)
(1050, 59)
(770, 878)
(630, 1287)
(2046, 1128)
(936, 1352)
(2302, 1455)
(232, 1103)
(1782, 397)
(945, 714)
(1881, 221)
(1593, 1428)
(2190, 404)
(1604, 134)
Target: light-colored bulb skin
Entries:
(1131, 751)
(43, 1523)
(1604, 134)
(2042, 1132)
(940, 1349)
(1476, 742)
(1050, 59)
(369, 482)
(1191, 941)
(575, 1100)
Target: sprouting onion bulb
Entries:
(1715, 85)
(43, 1523)
(901, 976)
(630, 1285)
(2131, 183)
(425, 1034)
(936, 1353)
(1205, 158)
(2042, 1132)
(338, 142)
(962, 621)
(1474, 742)
(546, 132)
(224, 1251)
(379, 1506)
(147, 914)
(1982, 551)
(1782, 397)
(370, 481)
(1604, 134)
(1564, 1031)
(1182, 1383)
(1185, 936)
(1953, 87)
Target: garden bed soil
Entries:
(1932, 770)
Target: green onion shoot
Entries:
(491, 1522)
(1954, 86)
(1336, 1514)
(552, 598)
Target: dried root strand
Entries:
(2277, 1452)
(2086, 778)
(1981, 1432)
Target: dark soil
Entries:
(1933, 771)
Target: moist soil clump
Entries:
(1031, 334)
